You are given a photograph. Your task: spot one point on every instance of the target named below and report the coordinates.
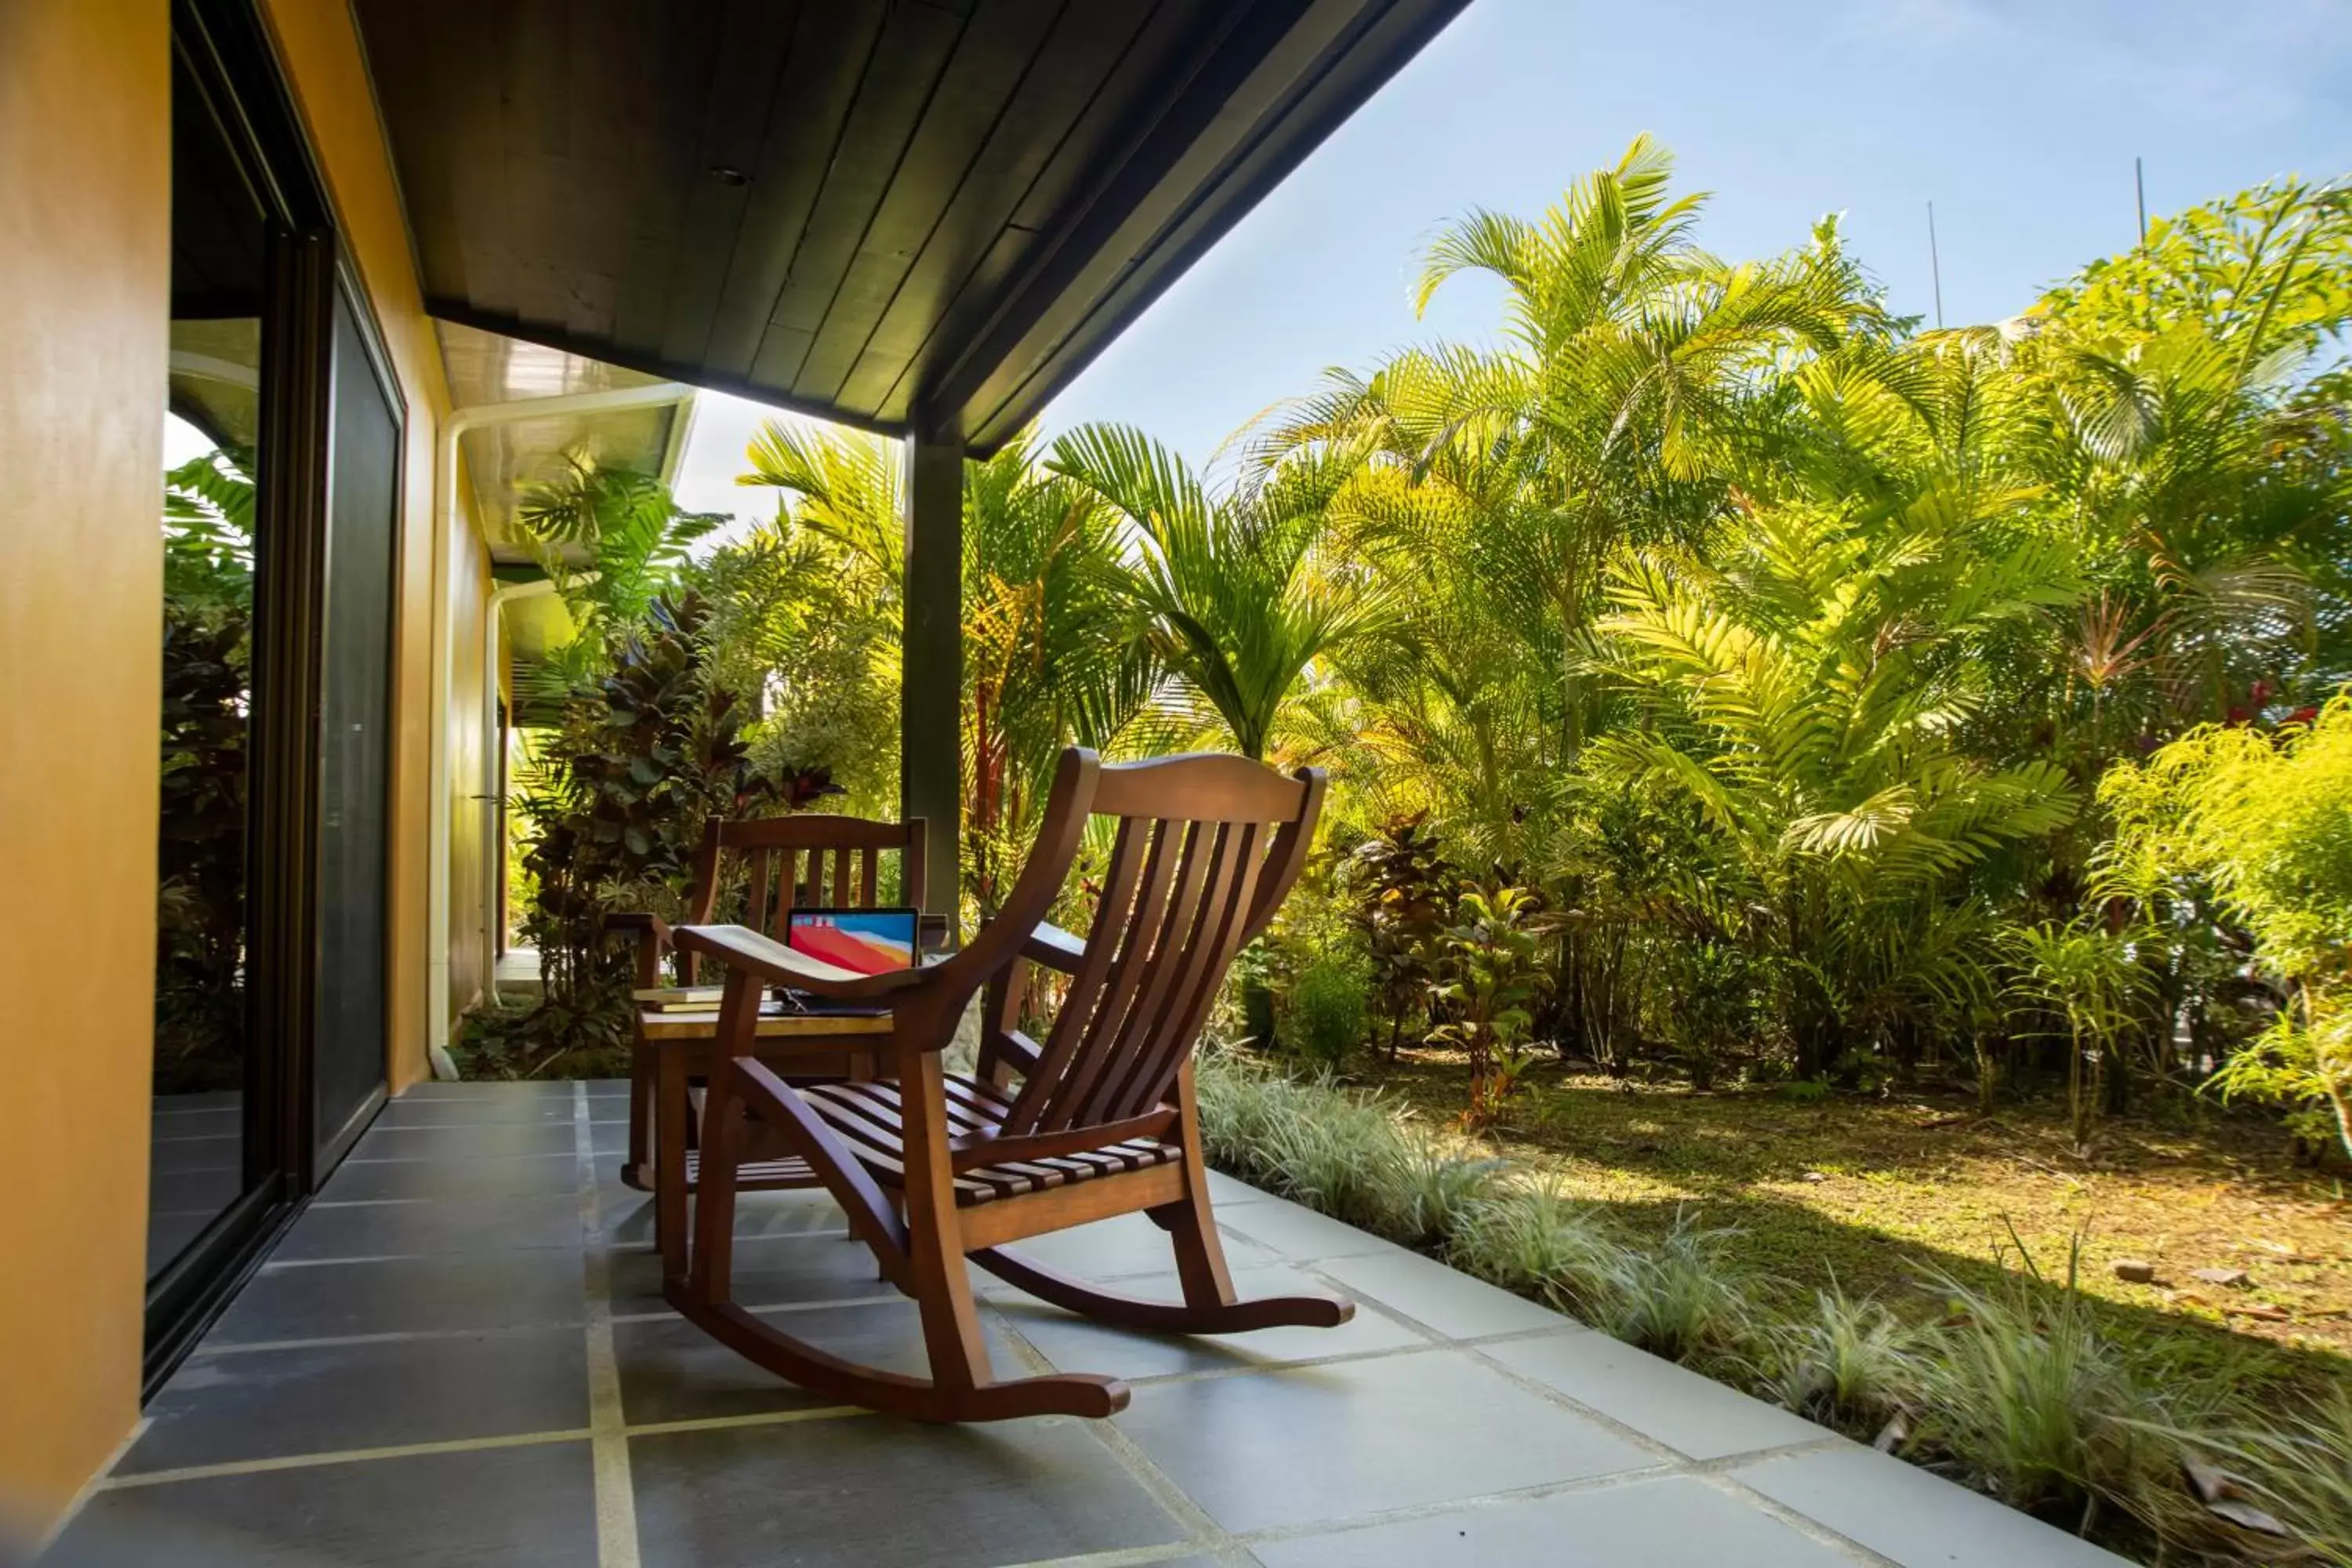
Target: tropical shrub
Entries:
(1325, 1015)
(1487, 981)
(2263, 819)
(2090, 979)
(1403, 891)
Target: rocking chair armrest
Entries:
(1055, 947)
(739, 947)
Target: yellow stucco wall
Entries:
(84, 279)
(85, 146)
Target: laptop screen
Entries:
(870, 942)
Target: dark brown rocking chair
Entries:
(933, 1167)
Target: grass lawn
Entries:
(1875, 1192)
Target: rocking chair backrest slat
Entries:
(1206, 846)
(1215, 938)
(1149, 939)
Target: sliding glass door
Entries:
(281, 513)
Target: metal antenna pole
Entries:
(2139, 189)
(1934, 267)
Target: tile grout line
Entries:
(1202, 1531)
(1706, 1472)
(510, 1331)
(608, 1442)
(338, 1457)
(1710, 1473)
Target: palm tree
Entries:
(1054, 654)
(1806, 692)
(1493, 486)
(1242, 600)
(612, 540)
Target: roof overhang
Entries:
(921, 216)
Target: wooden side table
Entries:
(672, 1050)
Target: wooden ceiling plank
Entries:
(537, 147)
(457, 127)
(1285, 111)
(396, 43)
(1085, 46)
(671, 50)
(907, 63)
(1105, 157)
(752, 51)
(812, 104)
(997, 53)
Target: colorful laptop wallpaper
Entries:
(870, 942)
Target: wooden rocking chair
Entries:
(933, 1167)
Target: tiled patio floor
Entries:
(460, 1357)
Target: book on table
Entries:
(679, 998)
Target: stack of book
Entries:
(679, 998)
(692, 999)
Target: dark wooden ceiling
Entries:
(901, 214)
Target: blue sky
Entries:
(2019, 120)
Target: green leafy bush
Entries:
(2267, 821)
(2029, 1393)
(1325, 1011)
(1851, 1365)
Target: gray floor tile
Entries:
(1079, 1344)
(770, 1271)
(449, 1110)
(1918, 1519)
(479, 1140)
(458, 1179)
(1129, 1247)
(509, 1507)
(869, 1491)
(492, 1089)
(627, 1215)
(414, 1228)
(1697, 1416)
(672, 1371)
(1337, 1441)
(1446, 1299)
(324, 1399)
(1224, 1190)
(1298, 1232)
(407, 1295)
(1671, 1522)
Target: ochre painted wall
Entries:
(320, 49)
(85, 282)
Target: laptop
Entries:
(864, 941)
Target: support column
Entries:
(930, 701)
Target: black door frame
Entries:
(228, 54)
